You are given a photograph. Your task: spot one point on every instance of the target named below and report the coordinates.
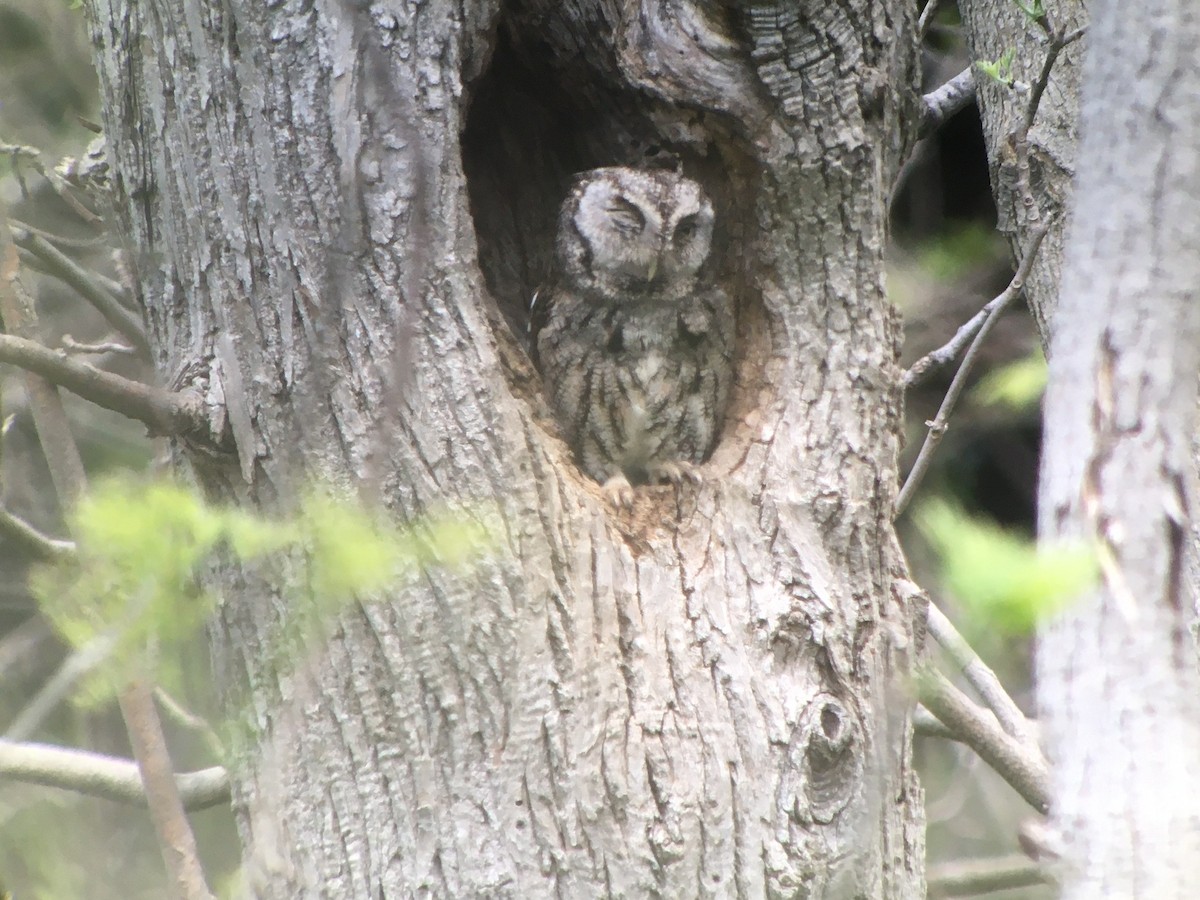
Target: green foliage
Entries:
(135, 580)
(1002, 580)
(1034, 11)
(31, 842)
(951, 255)
(1018, 385)
(999, 70)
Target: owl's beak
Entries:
(652, 271)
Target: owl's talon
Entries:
(675, 472)
(619, 492)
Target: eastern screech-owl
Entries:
(635, 349)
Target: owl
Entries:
(634, 344)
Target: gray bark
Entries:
(991, 28)
(1118, 687)
(336, 214)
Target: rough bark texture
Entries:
(992, 28)
(1118, 689)
(337, 213)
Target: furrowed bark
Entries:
(340, 214)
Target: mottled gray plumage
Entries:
(636, 352)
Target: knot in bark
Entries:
(825, 753)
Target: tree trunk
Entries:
(992, 28)
(337, 213)
(1118, 687)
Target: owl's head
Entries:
(635, 232)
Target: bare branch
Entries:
(938, 359)
(189, 720)
(104, 776)
(175, 837)
(37, 264)
(40, 545)
(1058, 43)
(20, 151)
(937, 427)
(60, 240)
(1026, 771)
(1040, 840)
(943, 102)
(927, 724)
(983, 876)
(65, 268)
(69, 343)
(983, 679)
(49, 417)
(58, 688)
(926, 19)
(165, 412)
(157, 408)
(1020, 137)
(33, 157)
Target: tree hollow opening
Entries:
(558, 97)
(542, 112)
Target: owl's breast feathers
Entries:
(640, 386)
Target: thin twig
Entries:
(189, 720)
(980, 677)
(943, 102)
(65, 268)
(20, 151)
(103, 776)
(49, 418)
(175, 837)
(60, 240)
(926, 19)
(936, 360)
(937, 427)
(927, 724)
(1072, 36)
(983, 876)
(42, 546)
(1040, 841)
(33, 157)
(1020, 137)
(165, 412)
(53, 425)
(1022, 767)
(59, 687)
(174, 832)
(114, 287)
(1058, 43)
(69, 343)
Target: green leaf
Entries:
(134, 583)
(1034, 11)
(1018, 385)
(1002, 579)
(999, 70)
(949, 256)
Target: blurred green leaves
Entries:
(1001, 579)
(957, 252)
(136, 583)
(1017, 386)
(999, 70)
(1035, 11)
